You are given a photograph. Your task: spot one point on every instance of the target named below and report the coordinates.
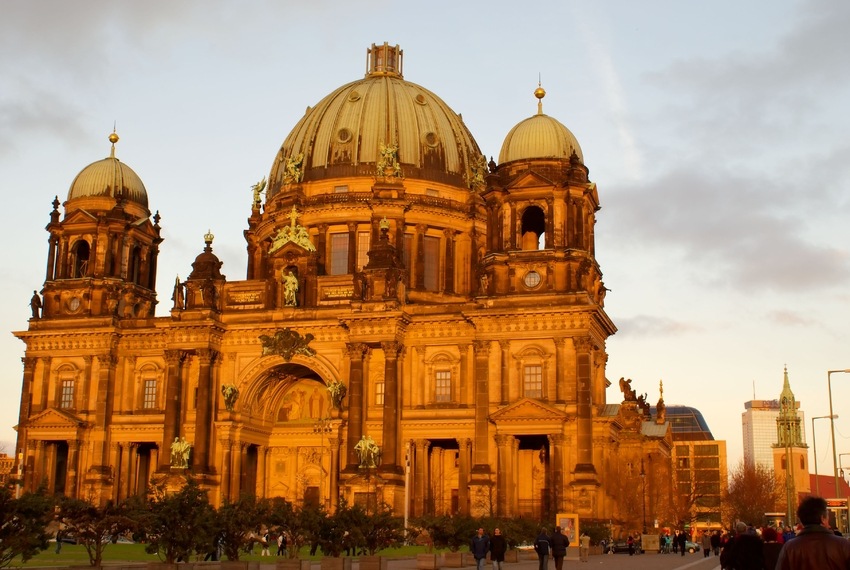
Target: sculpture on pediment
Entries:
(293, 233)
(287, 343)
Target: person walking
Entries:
(584, 547)
(265, 541)
(542, 545)
(683, 540)
(498, 547)
(706, 543)
(559, 543)
(744, 551)
(816, 547)
(479, 546)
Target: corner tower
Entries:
(102, 255)
(790, 453)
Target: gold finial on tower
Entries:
(208, 238)
(540, 93)
(113, 138)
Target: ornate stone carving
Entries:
(388, 166)
(231, 394)
(293, 233)
(287, 343)
(294, 169)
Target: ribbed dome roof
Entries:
(539, 136)
(343, 134)
(109, 178)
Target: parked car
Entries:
(622, 547)
(691, 546)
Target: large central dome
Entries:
(343, 134)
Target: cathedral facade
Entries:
(418, 326)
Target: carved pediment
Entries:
(529, 179)
(53, 418)
(528, 410)
(79, 216)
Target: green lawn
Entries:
(75, 555)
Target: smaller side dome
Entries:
(207, 265)
(109, 178)
(539, 136)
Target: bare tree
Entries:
(752, 493)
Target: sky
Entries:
(716, 132)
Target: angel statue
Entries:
(258, 189)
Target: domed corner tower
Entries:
(377, 150)
(540, 257)
(102, 255)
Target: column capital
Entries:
(392, 349)
(357, 350)
(29, 363)
(583, 343)
(107, 359)
(481, 347)
(173, 357)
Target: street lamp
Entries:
(829, 374)
(815, 445)
(643, 501)
(322, 426)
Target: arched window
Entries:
(135, 267)
(80, 259)
(533, 232)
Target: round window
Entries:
(531, 279)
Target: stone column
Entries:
(45, 383)
(504, 345)
(260, 490)
(171, 427)
(203, 413)
(420, 257)
(334, 443)
(26, 399)
(417, 373)
(389, 453)
(321, 248)
(549, 241)
(584, 424)
(465, 396)
(115, 467)
(88, 360)
(122, 483)
(236, 474)
(556, 463)
(420, 478)
(449, 283)
(103, 407)
(72, 469)
(504, 459)
(482, 403)
(512, 232)
(226, 446)
(513, 476)
(464, 451)
(52, 243)
(31, 467)
(356, 353)
(352, 248)
(560, 387)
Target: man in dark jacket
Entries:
(744, 551)
(815, 547)
(498, 547)
(559, 543)
(542, 547)
(479, 547)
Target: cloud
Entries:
(652, 327)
